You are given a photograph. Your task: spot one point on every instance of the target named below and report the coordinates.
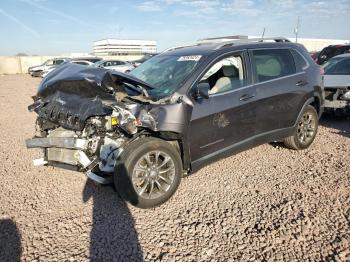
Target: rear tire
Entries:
(148, 172)
(305, 131)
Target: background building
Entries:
(110, 47)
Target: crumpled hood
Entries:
(85, 81)
(72, 93)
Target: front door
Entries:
(228, 116)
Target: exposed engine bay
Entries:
(338, 98)
(337, 93)
(87, 115)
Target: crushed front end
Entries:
(81, 123)
(94, 149)
(337, 93)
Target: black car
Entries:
(175, 113)
(331, 51)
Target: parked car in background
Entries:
(337, 84)
(116, 65)
(176, 113)
(45, 72)
(82, 62)
(91, 59)
(49, 64)
(331, 51)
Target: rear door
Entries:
(281, 89)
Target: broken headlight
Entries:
(124, 119)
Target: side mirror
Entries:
(202, 90)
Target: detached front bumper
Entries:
(337, 98)
(67, 153)
(66, 150)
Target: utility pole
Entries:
(263, 34)
(296, 30)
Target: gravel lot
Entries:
(263, 204)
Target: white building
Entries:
(108, 47)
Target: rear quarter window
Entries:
(273, 63)
(300, 62)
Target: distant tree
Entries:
(21, 54)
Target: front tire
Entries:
(305, 131)
(148, 172)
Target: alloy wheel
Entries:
(306, 128)
(153, 174)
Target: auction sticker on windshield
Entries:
(190, 58)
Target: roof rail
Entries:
(250, 40)
(231, 42)
(176, 47)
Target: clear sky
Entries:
(64, 26)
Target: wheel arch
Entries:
(317, 103)
(306, 103)
(180, 142)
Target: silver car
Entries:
(337, 84)
(116, 65)
(47, 66)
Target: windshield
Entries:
(339, 67)
(98, 63)
(331, 62)
(165, 73)
(48, 62)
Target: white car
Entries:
(82, 62)
(79, 62)
(48, 65)
(47, 71)
(117, 65)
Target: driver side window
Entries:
(225, 75)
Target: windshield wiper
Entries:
(144, 91)
(138, 88)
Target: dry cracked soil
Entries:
(268, 203)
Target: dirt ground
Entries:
(268, 203)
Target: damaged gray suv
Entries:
(176, 113)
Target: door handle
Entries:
(246, 97)
(301, 83)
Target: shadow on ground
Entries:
(10, 241)
(113, 235)
(341, 124)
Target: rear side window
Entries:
(273, 63)
(300, 62)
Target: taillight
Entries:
(321, 70)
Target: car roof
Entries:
(207, 49)
(342, 56)
(80, 61)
